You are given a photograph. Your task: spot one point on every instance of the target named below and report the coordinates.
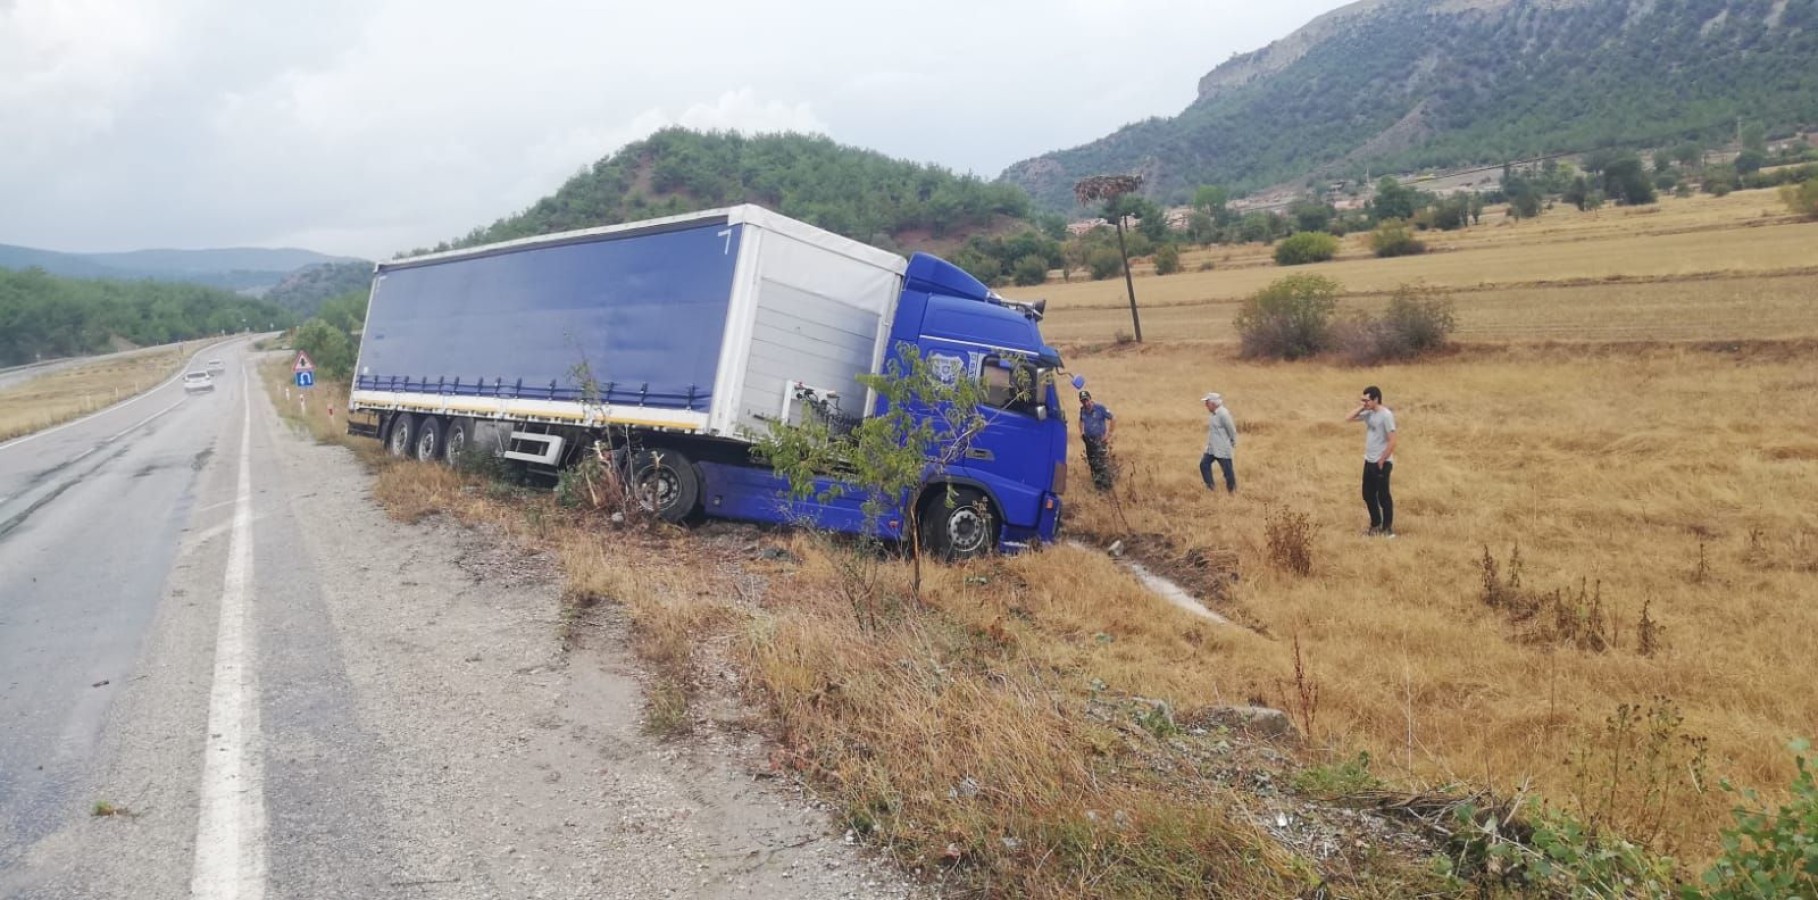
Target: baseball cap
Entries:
(1085, 395)
(1213, 397)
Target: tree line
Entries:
(45, 316)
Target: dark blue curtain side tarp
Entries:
(646, 313)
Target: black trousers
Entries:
(1224, 462)
(1376, 495)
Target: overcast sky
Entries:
(366, 127)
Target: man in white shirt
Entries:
(1379, 459)
(1221, 442)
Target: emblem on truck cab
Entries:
(946, 367)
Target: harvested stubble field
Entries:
(1716, 268)
(51, 399)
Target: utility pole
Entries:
(1107, 189)
(1136, 320)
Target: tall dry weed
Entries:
(1290, 540)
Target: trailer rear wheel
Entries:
(403, 436)
(429, 439)
(666, 484)
(958, 525)
(456, 439)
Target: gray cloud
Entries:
(370, 127)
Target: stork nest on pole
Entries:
(1105, 187)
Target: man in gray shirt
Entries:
(1379, 459)
(1221, 442)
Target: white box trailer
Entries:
(698, 323)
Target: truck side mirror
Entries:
(1041, 412)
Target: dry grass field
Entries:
(1679, 479)
(1625, 438)
(70, 393)
(1611, 416)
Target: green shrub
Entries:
(1030, 270)
(1306, 247)
(1167, 260)
(1419, 320)
(1289, 319)
(1771, 853)
(1802, 199)
(1526, 204)
(1104, 262)
(1394, 238)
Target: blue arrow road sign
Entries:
(306, 379)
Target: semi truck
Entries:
(679, 341)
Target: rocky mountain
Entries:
(1395, 85)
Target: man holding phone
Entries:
(1379, 459)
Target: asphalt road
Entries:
(208, 629)
(90, 518)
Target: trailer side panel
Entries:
(643, 314)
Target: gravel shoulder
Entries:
(508, 767)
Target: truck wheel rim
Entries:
(966, 529)
(399, 440)
(426, 445)
(457, 438)
(658, 489)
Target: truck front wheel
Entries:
(958, 525)
(403, 436)
(665, 483)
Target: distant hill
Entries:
(1397, 85)
(304, 290)
(859, 193)
(250, 269)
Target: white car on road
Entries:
(197, 382)
(215, 366)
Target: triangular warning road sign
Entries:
(303, 363)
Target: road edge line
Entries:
(230, 862)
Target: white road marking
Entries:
(230, 824)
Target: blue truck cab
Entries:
(1019, 461)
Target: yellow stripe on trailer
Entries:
(530, 414)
